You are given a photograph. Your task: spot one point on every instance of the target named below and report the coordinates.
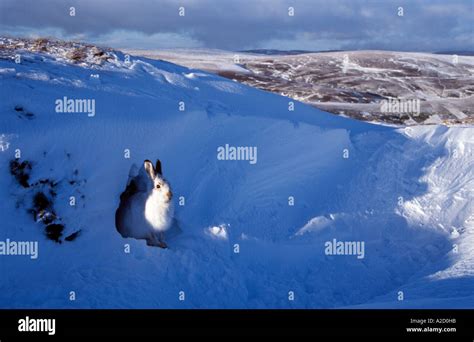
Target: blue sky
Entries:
(426, 25)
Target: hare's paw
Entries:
(151, 242)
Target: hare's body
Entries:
(143, 214)
(146, 208)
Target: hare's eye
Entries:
(158, 186)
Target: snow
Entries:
(350, 83)
(402, 193)
(219, 232)
(315, 224)
(205, 59)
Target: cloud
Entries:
(247, 24)
(140, 40)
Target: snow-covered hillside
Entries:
(407, 194)
(350, 83)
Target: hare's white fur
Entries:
(146, 207)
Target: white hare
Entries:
(146, 207)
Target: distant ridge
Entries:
(459, 53)
(274, 52)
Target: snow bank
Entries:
(401, 194)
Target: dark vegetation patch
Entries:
(43, 192)
(21, 171)
(41, 202)
(22, 113)
(43, 209)
(54, 231)
(73, 236)
(77, 54)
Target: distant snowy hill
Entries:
(349, 83)
(254, 235)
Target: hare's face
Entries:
(162, 189)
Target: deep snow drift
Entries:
(407, 194)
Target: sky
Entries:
(426, 25)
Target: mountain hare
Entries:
(146, 207)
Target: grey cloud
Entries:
(236, 25)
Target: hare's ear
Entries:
(158, 167)
(149, 169)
